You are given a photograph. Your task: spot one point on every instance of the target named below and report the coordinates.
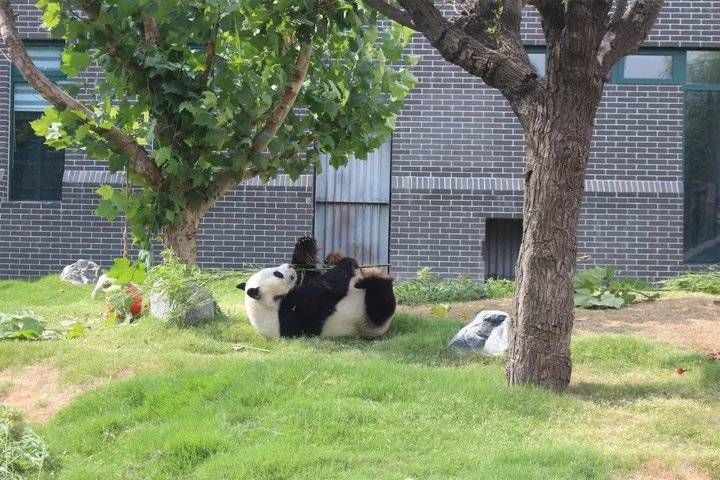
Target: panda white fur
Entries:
(343, 301)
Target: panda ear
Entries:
(241, 286)
(254, 293)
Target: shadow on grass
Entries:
(618, 394)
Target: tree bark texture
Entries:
(558, 143)
(182, 236)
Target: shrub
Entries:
(24, 454)
(428, 287)
(500, 288)
(707, 282)
(598, 288)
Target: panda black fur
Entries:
(342, 301)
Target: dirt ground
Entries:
(689, 321)
(38, 391)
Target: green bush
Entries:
(598, 288)
(23, 454)
(500, 288)
(707, 282)
(428, 287)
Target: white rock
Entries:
(202, 307)
(486, 334)
(81, 272)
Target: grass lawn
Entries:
(220, 402)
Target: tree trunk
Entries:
(182, 237)
(558, 143)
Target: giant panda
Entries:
(343, 301)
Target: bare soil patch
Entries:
(38, 391)
(689, 321)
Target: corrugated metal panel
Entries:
(352, 208)
(362, 181)
(357, 230)
(502, 240)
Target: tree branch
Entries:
(141, 162)
(226, 181)
(210, 54)
(498, 58)
(392, 12)
(150, 29)
(627, 34)
(620, 10)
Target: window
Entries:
(702, 157)
(538, 59)
(703, 67)
(36, 169)
(651, 67)
(502, 247)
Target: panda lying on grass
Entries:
(343, 301)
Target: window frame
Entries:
(57, 77)
(679, 68)
(691, 87)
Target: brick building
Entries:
(453, 171)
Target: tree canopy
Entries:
(199, 95)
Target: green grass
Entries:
(221, 402)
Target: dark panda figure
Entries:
(305, 259)
(343, 301)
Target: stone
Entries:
(202, 307)
(81, 272)
(487, 334)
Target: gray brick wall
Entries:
(457, 161)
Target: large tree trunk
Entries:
(558, 143)
(182, 237)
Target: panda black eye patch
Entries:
(278, 274)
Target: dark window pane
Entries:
(652, 67)
(702, 177)
(502, 247)
(703, 67)
(37, 170)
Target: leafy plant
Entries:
(500, 288)
(124, 272)
(120, 301)
(24, 326)
(22, 453)
(183, 286)
(429, 287)
(598, 288)
(706, 282)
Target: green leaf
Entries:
(74, 62)
(105, 192)
(124, 271)
(107, 210)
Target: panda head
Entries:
(270, 284)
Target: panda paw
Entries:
(306, 251)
